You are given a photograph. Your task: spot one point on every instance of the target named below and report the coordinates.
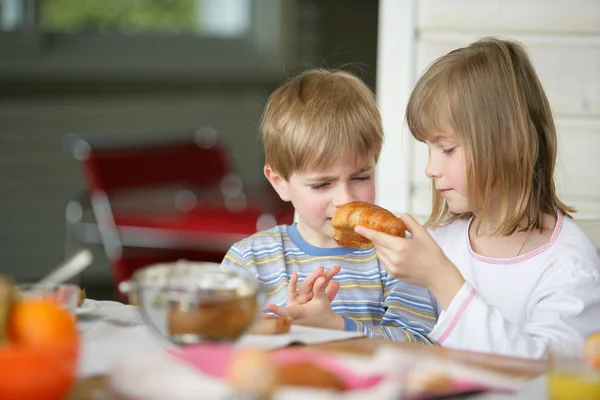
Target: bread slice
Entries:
(270, 325)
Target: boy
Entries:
(322, 137)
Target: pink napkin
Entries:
(213, 360)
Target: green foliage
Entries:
(120, 16)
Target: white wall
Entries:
(563, 38)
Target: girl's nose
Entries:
(432, 170)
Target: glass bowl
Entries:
(66, 295)
(191, 302)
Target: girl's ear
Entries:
(279, 184)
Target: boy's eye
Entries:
(448, 151)
(318, 186)
(361, 178)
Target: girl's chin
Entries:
(458, 208)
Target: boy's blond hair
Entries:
(318, 118)
(490, 95)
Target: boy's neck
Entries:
(315, 239)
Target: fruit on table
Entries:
(591, 350)
(41, 323)
(38, 347)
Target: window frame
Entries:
(30, 53)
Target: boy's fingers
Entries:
(331, 272)
(320, 285)
(285, 312)
(304, 298)
(307, 284)
(291, 290)
(332, 290)
(294, 279)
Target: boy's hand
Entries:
(304, 293)
(418, 260)
(317, 312)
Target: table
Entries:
(95, 388)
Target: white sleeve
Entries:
(563, 309)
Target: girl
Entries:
(512, 272)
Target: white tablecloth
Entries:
(111, 331)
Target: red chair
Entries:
(157, 201)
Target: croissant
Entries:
(368, 215)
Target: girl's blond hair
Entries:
(318, 118)
(490, 95)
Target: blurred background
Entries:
(110, 69)
(114, 68)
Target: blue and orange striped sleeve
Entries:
(409, 314)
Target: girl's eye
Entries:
(362, 178)
(448, 151)
(318, 186)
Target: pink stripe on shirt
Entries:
(524, 257)
(457, 316)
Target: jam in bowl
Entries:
(190, 302)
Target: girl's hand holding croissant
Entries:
(417, 260)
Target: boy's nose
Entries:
(343, 196)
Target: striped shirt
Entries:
(369, 299)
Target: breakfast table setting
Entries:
(122, 358)
(116, 341)
(147, 351)
(196, 330)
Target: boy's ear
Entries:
(279, 184)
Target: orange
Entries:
(591, 350)
(36, 373)
(40, 361)
(41, 323)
